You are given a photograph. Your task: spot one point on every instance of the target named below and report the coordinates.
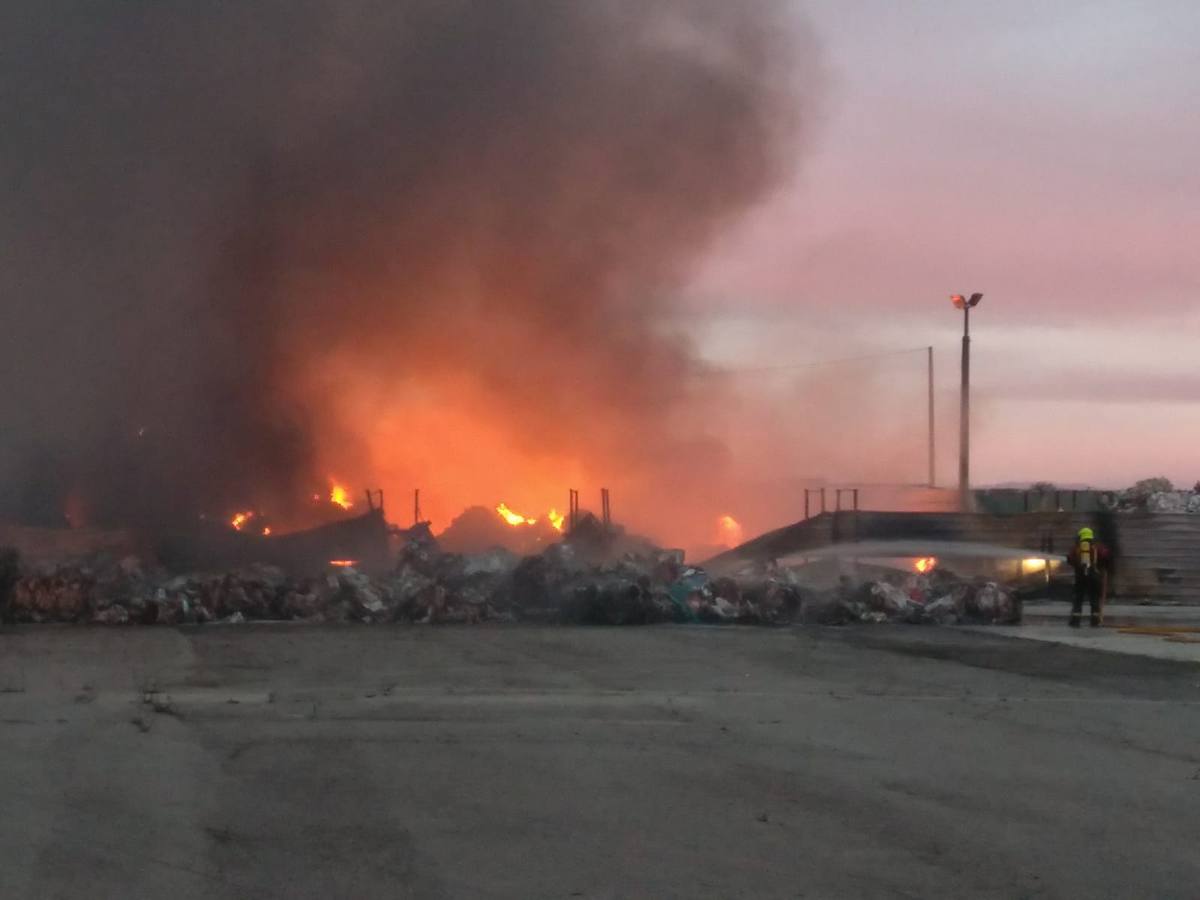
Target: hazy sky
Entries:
(1043, 153)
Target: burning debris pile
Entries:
(584, 579)
(567, 583)
(478, 529)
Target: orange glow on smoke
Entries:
(340, 496)
(240, 519)
(74, 511)
(925, 564)
(730, 530)
(513, 518)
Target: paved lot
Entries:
(298, 762)
(1164, 643)
(1166, 632)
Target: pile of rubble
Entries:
(1156, 495)
(567, 583)
(937, 598)
(1174, 502)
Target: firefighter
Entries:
(1091, 560)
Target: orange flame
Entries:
(240, 519)
(343, 563)
(513, 518)
(925, 564)
(267, 531)
(556, 519)
(340, 496)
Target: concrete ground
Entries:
(665, 762)
(1164, 632)
(1167, 644)
(1116, 614)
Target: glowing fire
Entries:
(340, 496)
(556, 519)
(730, 530)
(513, 518)
(239, 520)
(267, 531)
(343, 563)
(925, 564)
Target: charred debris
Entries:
(362, 570)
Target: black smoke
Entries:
(210, 207)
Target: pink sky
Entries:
(1045, 154)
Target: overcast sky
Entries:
(1043, 153)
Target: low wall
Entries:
(1158, 557)
(49, 545)
(363, 539)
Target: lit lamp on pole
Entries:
(966, 304)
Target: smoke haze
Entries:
(252, 247)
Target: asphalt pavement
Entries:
(661, 762)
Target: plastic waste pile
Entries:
(567, 584)
(939, 597)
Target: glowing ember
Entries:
(556, 519)
(267, 531)
(340, 496)
(513, 518)
(343, 563)
(239, 520)
(925, 564)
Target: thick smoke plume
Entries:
(251, 246)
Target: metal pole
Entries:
(964, 416)
(932, 446)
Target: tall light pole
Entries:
(964, 413)
(932, 431)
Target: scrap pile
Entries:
(634, 590)
(1174, 502)
(1156, 495)
(936, 598)
(572, 582)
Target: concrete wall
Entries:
(1044, 532)
(1158, 557)
(49, 545)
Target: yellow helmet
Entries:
(1086, 534)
